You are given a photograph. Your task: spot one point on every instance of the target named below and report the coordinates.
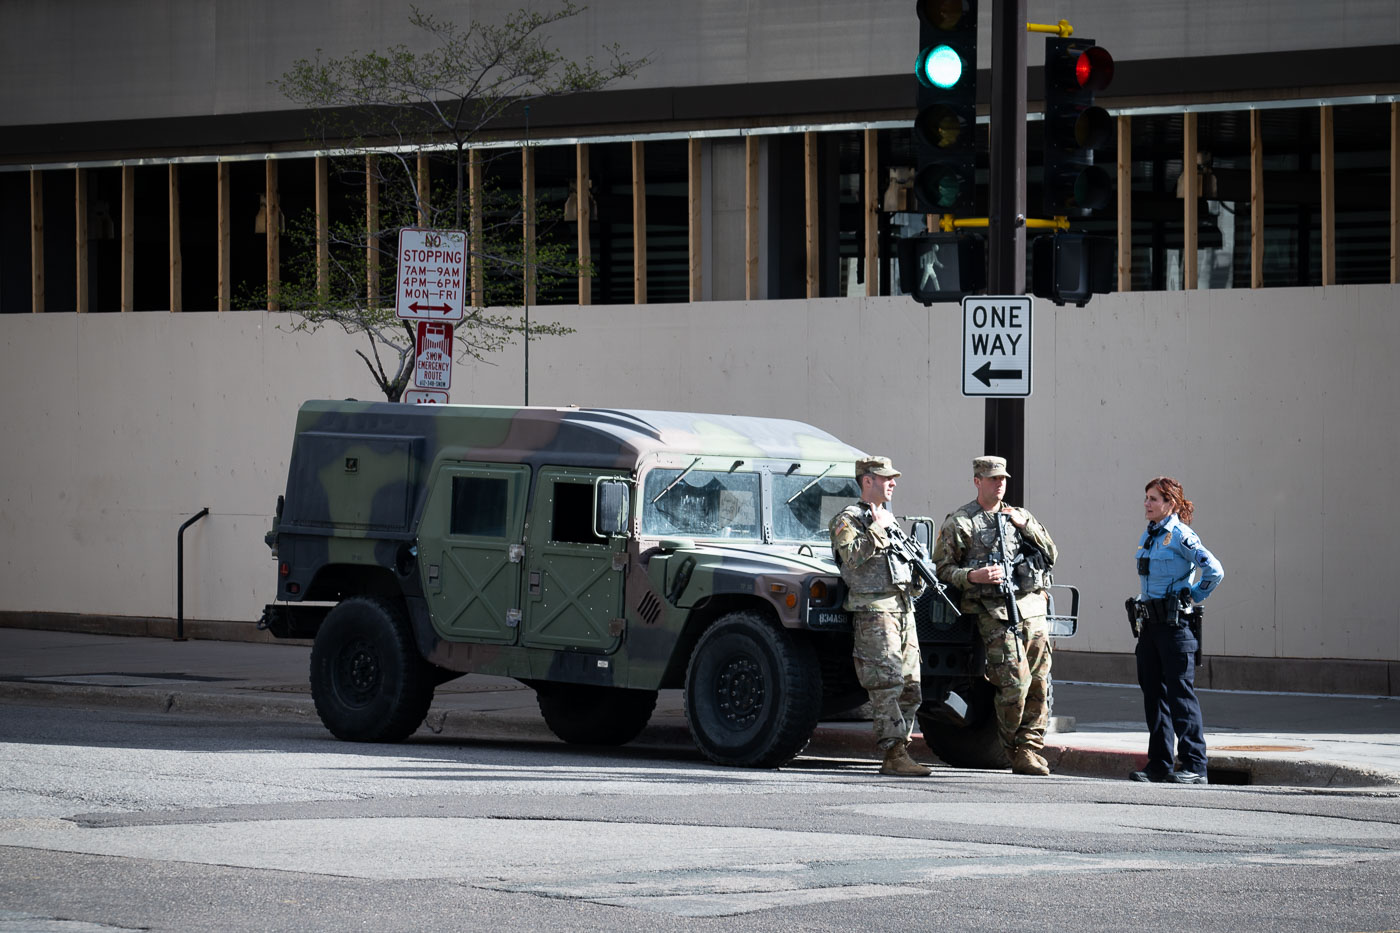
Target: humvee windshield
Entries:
(715, 504)
(705, 503)
(802, 509)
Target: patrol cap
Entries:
(880, 466)
(989, 466)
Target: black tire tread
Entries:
(408, 681)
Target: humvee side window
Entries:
(704, 503)
(479, 506)
(807, 516)
(572, 520)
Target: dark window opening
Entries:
(572, 521)
(479, 506)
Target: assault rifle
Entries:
(909, 551)
(1007, 586)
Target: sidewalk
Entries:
(1303, 740)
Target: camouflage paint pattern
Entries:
(1021, 675)
(887, 666)
(355, 518)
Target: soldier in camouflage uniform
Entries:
(880, 597)
(1018, 658)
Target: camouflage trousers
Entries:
(1019, 669)
(887, 666)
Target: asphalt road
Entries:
(119, 819)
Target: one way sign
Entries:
(996, 346)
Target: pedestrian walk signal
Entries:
(936, 267)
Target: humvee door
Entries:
(574, 584)
(469, 550)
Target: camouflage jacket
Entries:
(966, 541)
(873, 581)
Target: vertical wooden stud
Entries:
(80, 245)
(584, 213)
(273, 226)
(225, 239)
(425, 190)
(1256, 200)
(36, 240)
(1191, 191)
(1328, 165)
(695, 190)
(639, 223)
(527, 202)
(323, 227)
(128, 299)
(1124, 125)
(1395, 193)
(751, 217)
(372, 226)
(871, 189)
(476, 182)
(177, 285)
(810, 205)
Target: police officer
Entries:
(968, 556)
(880, 594)
(1168, 619)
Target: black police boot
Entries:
(1147, 775)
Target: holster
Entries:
(1137, 614)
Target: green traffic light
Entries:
(940, 66)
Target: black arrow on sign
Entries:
(985, 374)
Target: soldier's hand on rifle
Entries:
(989, 574)
(1018, 516)
(884, 518)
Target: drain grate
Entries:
(1261, 748)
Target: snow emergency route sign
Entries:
(996, 346)
(432, 274)
(432, 368)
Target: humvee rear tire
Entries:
(975, 745)
(753, 692)
(367, 678)
(583, 714)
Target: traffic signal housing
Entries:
(946, 123)
(936, 267)
(1070, 268)
(1075, 128)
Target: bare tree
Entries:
(378, 111)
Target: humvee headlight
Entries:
(817, 592)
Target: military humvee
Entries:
(597, 556)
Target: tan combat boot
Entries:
(1025, 761)
(898, 762)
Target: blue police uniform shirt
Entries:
(1175, 552)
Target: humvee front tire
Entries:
(584, 714)
(367, 678)
(974, 745)
(752, 692)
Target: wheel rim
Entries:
(358, 674)
(739, 692)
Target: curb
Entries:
(835, 740)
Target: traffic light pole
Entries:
(1005, 417)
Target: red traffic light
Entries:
(1093, 70)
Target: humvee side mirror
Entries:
(611, 518)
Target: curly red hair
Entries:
(1175, 496)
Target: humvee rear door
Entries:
(574, 587)
(469, 550)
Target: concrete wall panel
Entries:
(1275, 408)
